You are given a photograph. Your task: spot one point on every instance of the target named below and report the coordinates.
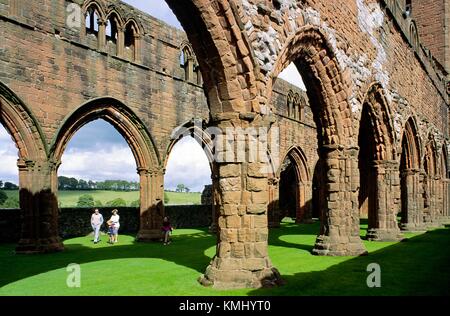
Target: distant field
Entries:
(70, 198)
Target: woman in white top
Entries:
(114, 221)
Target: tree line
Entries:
(8, 185)
(71, 184)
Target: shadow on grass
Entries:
(416, 267)
(187, 250)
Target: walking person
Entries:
(114, 227)
(96, 223)
(166, 230)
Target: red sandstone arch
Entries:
(328, 93)
(142, 146)
(377, 166)
(411, 205)
(23, 127)
(380, 120)
(121, 117)
(327, 90)
(98, 6)
(223, 53)
(197, 131)
(430, 157)
(39, 227)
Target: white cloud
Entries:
(113, 163)
(157, 8)
(188, 165)
(291, 75)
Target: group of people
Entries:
(113, 227)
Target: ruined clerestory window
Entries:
(92, 21)
(111, 29)
(187, 62)
(131, 41)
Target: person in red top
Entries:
(166, 229)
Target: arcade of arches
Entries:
(369, 138)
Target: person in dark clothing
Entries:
(166, 230)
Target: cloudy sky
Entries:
(98, 152)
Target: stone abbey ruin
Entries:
(369, 138)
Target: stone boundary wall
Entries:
(75, 222)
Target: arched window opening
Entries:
(187, 64)
(131, 34)
(92, 21)
(112, 29)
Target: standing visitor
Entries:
(96, 223)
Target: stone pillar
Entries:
(215, 202)
(446, 200)
(304, 209)
(274, 208)
(39, 208)
(120, 42)
(101, 35)
(431, 216)
(241, 258)
(152, 206)
(383, 224)
(339, 234)
(412, 201)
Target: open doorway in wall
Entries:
(9, 176)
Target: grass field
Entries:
(70, 198)
(418, 266)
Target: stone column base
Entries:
(413, 227)
(149, 235)
(339, 246)
(233, 273)
(33, 246)
(378, 234)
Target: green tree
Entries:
(187, 190)
(98, 203)
(10, 186)
(180, 187)
(83, 185)
(1, 184)
(136, 203)
(3, 197)
(119, 202)
(86, 200)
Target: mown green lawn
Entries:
(70, 198)
(418, 266)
